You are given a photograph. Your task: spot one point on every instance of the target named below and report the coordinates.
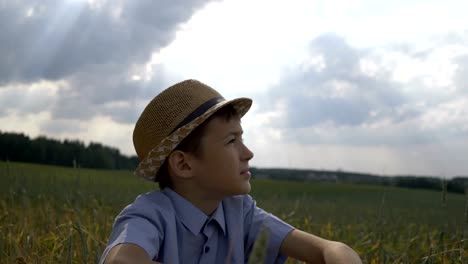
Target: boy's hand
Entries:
(313, 249)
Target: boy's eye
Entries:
(233, 140)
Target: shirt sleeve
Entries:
(258, 221)
(137, 224)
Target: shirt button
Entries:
(207, 249)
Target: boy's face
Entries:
(222, 167)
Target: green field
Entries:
(62, 215)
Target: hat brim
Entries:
(153, 161)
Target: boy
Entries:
(189, 140)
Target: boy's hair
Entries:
(192, 144)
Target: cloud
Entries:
(96, 48)
(350, 96)
(30, 98)
(416, 160)
(337, 91)
(54, 39)
(98, 129)
(461, 75)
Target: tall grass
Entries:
(61, 215)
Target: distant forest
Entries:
(457, 184)
(19, 147)
(74, 153)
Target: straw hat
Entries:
(171, 116)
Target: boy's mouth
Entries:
(245, 172)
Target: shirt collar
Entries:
(191, 216)
(218, 216)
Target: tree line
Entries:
(21, 148)
(458, 184)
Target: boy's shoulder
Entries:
(164, 205)
(150, 204)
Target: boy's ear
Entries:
(179, 164)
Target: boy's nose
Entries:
(247, 154)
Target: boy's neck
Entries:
(205, 203)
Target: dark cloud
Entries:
(24, 100)
(102, 92)
(338, 103)
(96, 49)
(61, 38)
(338, 93)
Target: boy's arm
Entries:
(313, 249)
(128, 253)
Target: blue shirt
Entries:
(172, 230)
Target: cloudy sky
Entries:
(367, 86)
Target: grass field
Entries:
(62, 215)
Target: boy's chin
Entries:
(245, 189)
(240, 190)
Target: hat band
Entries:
(199, 111)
